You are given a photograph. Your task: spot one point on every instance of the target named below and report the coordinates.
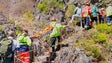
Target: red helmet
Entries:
(88, 3)
(53, 18)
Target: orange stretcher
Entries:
(48, 29)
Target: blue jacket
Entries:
(95, 11)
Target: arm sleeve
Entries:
(15, 45)
(75, 9)
(29, 43)
(62, 27)
(96, 9)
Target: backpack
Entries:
(5, 47)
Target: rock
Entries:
(16, 8)
(3, 19)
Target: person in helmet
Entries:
(56, 32)
(86, 13)
(25, 43)
(24, 40)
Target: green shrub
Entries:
(102, 61)
(89, 53)
(47, 5)
(96, 52)
(81, 43)
(28, 16)
(19, 29)
(89, 46)
(70, 11)
(100, 38)
(1, 28)
(43, 8)
(60, 5)
(103, 28)
(52, 3)
(11, 21)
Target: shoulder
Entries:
(77, 8)
(27, 37)
(52, 23)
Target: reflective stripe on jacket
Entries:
(24, 40)
(56, 29)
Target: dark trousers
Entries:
(53, 41)
(109, 18)
(101, 20)
(94, 19)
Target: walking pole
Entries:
(60, 39)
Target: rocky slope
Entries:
(16, 8)
(92, 46)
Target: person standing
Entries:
(102, 15)
(12, 47)
(25, 43)
(77, 14)
(94, 13)
(109, 14)
(56, 32)
(86, 13)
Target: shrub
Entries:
(43, 25)
(28, 16)
(102, 61)
(11, 21)
(89, 46)
(52, 3)
(1, 28)
(41, 7)
(89, 53)
(47, 5)
(60, 5)
(81, 43)
(96, 52)
(70, 10)
(100, 38)
(103, 28)
(19, 29)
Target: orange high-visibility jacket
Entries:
(86, 11)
